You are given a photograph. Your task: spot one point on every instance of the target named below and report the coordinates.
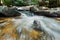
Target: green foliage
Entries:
(8, 2)
(20, 2)
(34, 1)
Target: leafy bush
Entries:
(19, 2)
(8, 2)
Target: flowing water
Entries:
(27, 22)
(49, 26)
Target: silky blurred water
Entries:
(49, 26)
(26, 23)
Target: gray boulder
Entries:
(10, 12)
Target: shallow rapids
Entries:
(31, 27)
(49, 26)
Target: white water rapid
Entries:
(49, 26)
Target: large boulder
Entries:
(37, 8)
(34, 8)
(47, 13)
(9, 12)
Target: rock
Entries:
(33, 9)
(43, 8)
(10, 12)
(1, 8)
(47, 13)
(37, 8)
(37, 25)
(25, 7)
